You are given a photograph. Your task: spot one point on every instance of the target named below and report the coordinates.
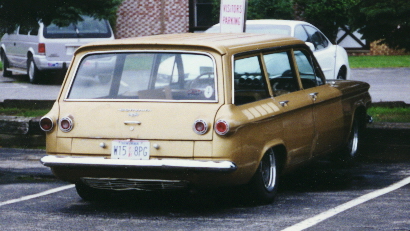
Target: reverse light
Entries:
(42, 48)
(46, 123)
(66, 124)
(221, 127)
(200, 127)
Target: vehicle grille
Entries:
(134, 184)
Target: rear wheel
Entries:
(263, 185)
(34, 74)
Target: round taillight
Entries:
(221, 127)
(66, 124)
(200, 127)
(46, 124)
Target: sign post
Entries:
(233, 16)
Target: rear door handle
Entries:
(284, 103)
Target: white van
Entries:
(48, 48)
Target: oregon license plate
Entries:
(135, 149)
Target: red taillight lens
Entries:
(221, 127)
(46, 124)
(200, 127)
(41, 48)
(66, 124)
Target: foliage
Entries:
(28, 12)
(387, 21)
(327, 15)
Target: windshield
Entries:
(147, 76)
(88, 28)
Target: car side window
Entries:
(281, 74)
(300, 33)
(307, 71)
(249, 81)
(317, 38)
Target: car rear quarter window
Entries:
(147, 76)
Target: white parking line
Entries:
(54, 190)
(348, 205)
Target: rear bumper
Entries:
(154, 164)
(43, 63)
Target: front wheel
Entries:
(34, 74)
(342, 73)
(352, 148)
(6, 73)
(263, 185)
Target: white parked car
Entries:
(33, 51)
(333, 59)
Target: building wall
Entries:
(137, 18)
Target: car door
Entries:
(273, 102)
(327, 105)
(324, 52)
(297, 106)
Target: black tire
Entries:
(6, 65)
(342, 73)
(88, 193)
(352, 149)
(264, 184)
(34, 74)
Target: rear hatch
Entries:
(154, 97)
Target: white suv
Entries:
(46, 48)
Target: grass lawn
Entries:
(379, 61)
(394, 115)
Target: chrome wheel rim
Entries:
(268, 170)
(354, 140)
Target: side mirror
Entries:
(311, 46)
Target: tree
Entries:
(27, 13)
(327, 15)
(386, 21)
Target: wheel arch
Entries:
(279, 148)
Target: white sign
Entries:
(233, 15)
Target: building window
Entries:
(201, 17)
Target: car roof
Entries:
(276, 22)
(220, 42)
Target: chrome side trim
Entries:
(156, 164)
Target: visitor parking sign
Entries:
(233, 16)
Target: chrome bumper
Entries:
(156, 164)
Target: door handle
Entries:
(132, 122)
(284, 103)
(314, 95)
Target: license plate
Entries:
(135, 150)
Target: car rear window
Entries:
(147, 76)
(88, 28)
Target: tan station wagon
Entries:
(198, 110)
